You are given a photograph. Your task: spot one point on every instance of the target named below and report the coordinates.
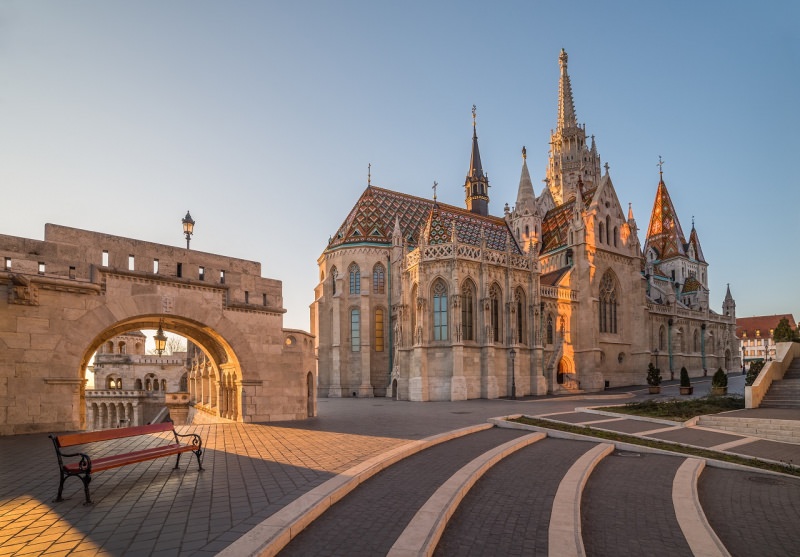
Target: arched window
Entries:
(439, 310)
(616, 235)
(122, 348)
(138, 385)
(155, 384)
(608, 303)
(355, 330)
(355, 279)
(110, 347)
(164, 385)
(608, 229)
(495, 300)
(414, 296)
(334, 274)
(468, 310)
(661, 336)
(696, 340)
(527, 230)
(378, 279)
(378, 330)
(519, 301)
(601, 233)
(549, 329)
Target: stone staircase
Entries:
(786, 392)
(787, 431)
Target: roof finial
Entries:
(474, 112)
(606, 166)
(369, 175)
(524, 153)
(435, 184)
(660, 168)
(692, 222)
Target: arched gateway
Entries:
(64, 297)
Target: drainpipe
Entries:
(703, 347)
(391, 329)
(669, 345)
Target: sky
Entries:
(261, 118)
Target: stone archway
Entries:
(394, 389)
(64, 297)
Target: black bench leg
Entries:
(177, 461)
(60, 489)
(86, 479)
(197, 453)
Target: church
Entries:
(418, 300)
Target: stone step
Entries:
(775, 430)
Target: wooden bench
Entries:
(86, 466)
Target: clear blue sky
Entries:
(261, 118)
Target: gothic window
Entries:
(378, 279)
(122, 348)
(601, 233)
(468, 310)
(355, 279)
(495, 299)
(519, 301)
(608, 228)
(155, 384)
(355, 330)
(608, 303)
(164, 385)
(661, 335)
(110, 347)
(439, 310)
(138, 385)
(616, 235)
(414, 295)
(334, 274)
(549, 329)
(379, 330)
(527, 231)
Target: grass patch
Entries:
(786, 468)
(679, 410)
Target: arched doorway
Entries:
(394, 389)
(563, 369)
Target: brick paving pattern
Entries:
(729, 498)
(526, 482)
(385, 504)
(627, 507)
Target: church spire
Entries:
(526, 198)
(566, 106)
(476, 185)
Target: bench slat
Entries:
(114, 461)
(72, 439)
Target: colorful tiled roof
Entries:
(664, 233)
(556, 222)
(746, 327)
(372, 219)
(692, 285)
(694, 241)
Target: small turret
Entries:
(525, 221)
(729, 305)
(476, 186)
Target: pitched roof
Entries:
(694, 241)
(747, 326)
(665, 234)
(556, 222)
(553, 277)
(373, 217)
(692, 285)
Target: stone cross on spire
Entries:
(660, 166)
(435, 184)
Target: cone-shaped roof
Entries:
(566, 106)
(526, 199)
(694, 241)
(664, 233)
(475, 167)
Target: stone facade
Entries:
(63, 298)
(420, 300)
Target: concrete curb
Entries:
(274, 533)
(425, 529)
(593, 410)
(698, 532)
(564, 537)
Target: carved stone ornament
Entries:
(23, 292)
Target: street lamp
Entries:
(513, 354)
(655, 352)
(160, 338)
(188, 227)
(766, 351)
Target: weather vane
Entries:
(660, 165)
(474, 109)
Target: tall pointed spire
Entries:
(664, 232)
(526, 198)
(566, 106)
(476, 185)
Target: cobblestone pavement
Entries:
(387, 502)
(752, 513)
(627, 507)
(252, 470)
(525, 481)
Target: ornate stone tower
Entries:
(476, 185)
(526, 219)
(570, 157)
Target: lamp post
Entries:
(766, 351)
(513, 354)
(188, 227)
(160, 338)
(655, 353)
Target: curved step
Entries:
(565, 538)
(691, 518)
(423, 532)
(388, 501)
(272, 534)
